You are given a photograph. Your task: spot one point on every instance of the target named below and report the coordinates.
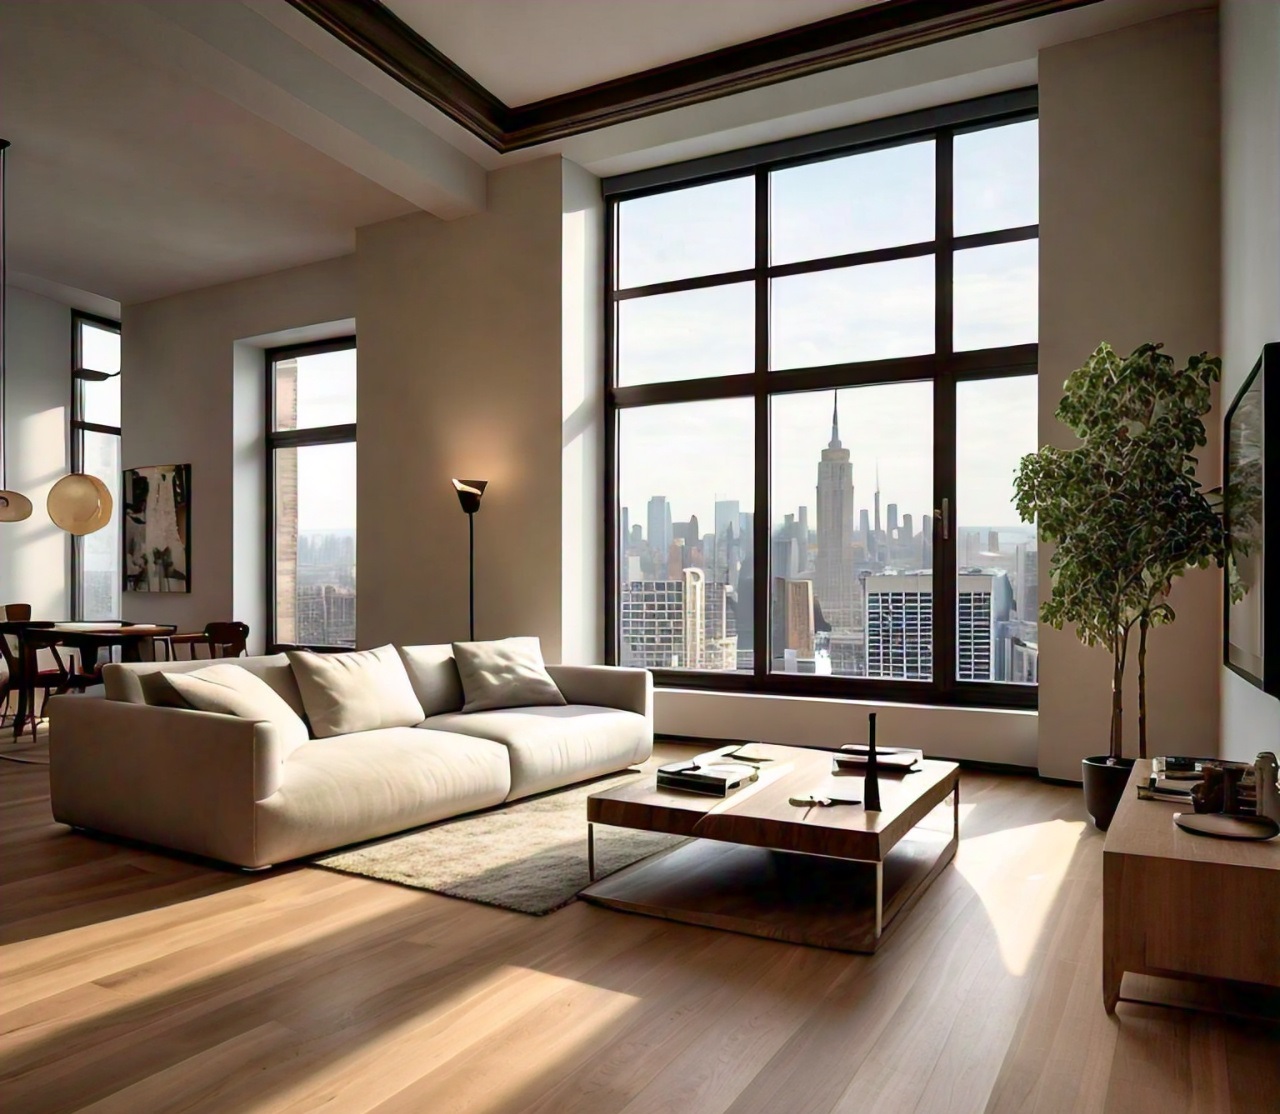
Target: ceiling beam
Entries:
(238, 54)
(378, 34)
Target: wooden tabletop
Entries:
(761, 815)
(1147, 828)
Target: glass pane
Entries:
(318, 390)
(100, 351)
(693, 334)
(100, 577)
(315, 516)
(879, 199)
(100, 402)
(852, 537)
(997, 178)
(996, 640)
(99, 348)
(703, 230)
(996, 296)
(874, 312)
(685, 558)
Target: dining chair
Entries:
(8, 678)
(48, 680)
(227, 640)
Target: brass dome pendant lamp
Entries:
(14, 506)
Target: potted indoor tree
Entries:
(1127, 516)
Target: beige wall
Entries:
(1250, 273)
(461, 375)
(35, 554)
(193, 387)
(1129, 231)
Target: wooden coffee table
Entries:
(836, 877)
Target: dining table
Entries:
(89, 639)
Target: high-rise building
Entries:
(877, 500)
(670, 624)
(625, 532)
(834, 583)
(802, 536)
(899, 631)
(659, 525)
(1027, 587)
(864, 527)
(893, 518)
(904, 533)
(792, 618)
(983, 603)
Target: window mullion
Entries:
(762, 519)
(944, 430)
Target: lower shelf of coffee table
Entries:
(802, 899)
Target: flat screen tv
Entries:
(1251, 491)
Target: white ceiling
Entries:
(527, 50)
(166, 145)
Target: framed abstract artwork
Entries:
(157, 528)
(1251, 495)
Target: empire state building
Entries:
(835, 581)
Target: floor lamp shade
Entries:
(80, 504)
(469, 493)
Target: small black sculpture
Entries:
(871, 787)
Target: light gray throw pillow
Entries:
(360, 691)
(233, 691)
(507, 673)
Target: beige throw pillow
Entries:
(233, 691)
(508, 673)
(360, 691)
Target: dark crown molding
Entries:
(374, 31)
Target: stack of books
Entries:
(715, 779)
(1172, 778)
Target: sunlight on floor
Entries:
(1018, 873)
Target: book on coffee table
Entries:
(715, 779)
(853, 756)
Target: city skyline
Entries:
(696, 454)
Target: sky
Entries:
(694, 453)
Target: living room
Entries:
(275, 187)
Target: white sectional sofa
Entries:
(247, 793)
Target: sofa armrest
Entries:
(607, 686)
(173, 776)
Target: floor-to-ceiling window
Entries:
(311, 445)
(95, 449)
(821, 377)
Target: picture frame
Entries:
(1251, 507)
(156, 538)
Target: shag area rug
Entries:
(530, 856)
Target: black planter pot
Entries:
(1104, 783)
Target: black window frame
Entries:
(293, 439)
(943, 367)
(78, 428)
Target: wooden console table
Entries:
(1182, 905)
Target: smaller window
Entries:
(311, 442)
(95, 449)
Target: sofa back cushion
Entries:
(434, 676)
(507, 673)
(234, 691)
(141, 682)
(361, 691)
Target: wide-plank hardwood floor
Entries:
(141, 982)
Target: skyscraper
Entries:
(659, 525)
(834, 573)
(893, 518)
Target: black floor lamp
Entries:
(469, 492)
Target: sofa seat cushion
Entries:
(349, 788)
(554, 746)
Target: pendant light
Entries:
(14, 506)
